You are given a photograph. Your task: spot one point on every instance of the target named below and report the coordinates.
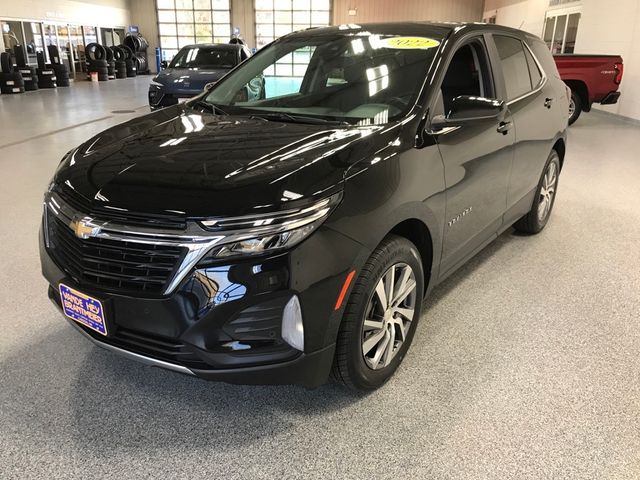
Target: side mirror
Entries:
(468, 109)
(164, 64)
(209, 86)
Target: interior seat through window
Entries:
(467, 74)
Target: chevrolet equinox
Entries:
(285, 225)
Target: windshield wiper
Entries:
(287, 117)
(211, 107)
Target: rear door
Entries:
(536, 114)
(477, 157)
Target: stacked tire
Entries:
(138, 45)
(119, 62)
(10, 80)
(29, 74)
(111, 64)
(140, 63)
(132, 69)
(96, 56)
(46, 74)
(60, 69)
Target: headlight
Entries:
(155, 83)
(266, 233)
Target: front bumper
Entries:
(307, 369)
(160, 97)
(224, 323)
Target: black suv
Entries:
(287, 236)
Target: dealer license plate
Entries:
(83, 309)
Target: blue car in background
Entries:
(191, 70)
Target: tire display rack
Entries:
(116, 62)
(138, 45)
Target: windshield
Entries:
(204, 58)
(358, 78)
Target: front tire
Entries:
(381, 316)
(538, 216)
(575, 107)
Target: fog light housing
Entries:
(292, 328)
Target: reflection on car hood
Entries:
(189, 78)
(179, 160)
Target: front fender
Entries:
(384, 192)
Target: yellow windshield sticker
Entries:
(409, 42)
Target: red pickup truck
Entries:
(591, 78)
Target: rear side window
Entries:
(534, 71)
(514, 66)
(543, 55)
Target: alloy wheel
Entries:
(572, 107)
(547, 191)
(388, 316)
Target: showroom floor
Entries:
(525, 365)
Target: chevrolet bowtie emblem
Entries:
(82, 228)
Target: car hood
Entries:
(179, 161)
(189, 78)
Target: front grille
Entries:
(112, 265)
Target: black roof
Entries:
(431, 29)
(217, 46)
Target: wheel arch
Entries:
(417, 232)
(580, 87)
(560, 148)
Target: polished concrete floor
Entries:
(526, 364)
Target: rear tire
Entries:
(538, 216)
(575, 107)
(368, 353)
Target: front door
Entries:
(477, 159)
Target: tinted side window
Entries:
(468, 73)
(542, 53)
(514, 66)
(534, 71)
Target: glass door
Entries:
(34, 36)
(64, 47)
(50, 38)
(118, 36)
(90, 35)
(275, 18)
(76, 46)
(107, 36)
(12, 34)
(183, 22)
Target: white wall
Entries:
(83, 12)
(406, 10)
(526, 15)
(605, 28)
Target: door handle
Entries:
(503, 127)
(548, 102)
